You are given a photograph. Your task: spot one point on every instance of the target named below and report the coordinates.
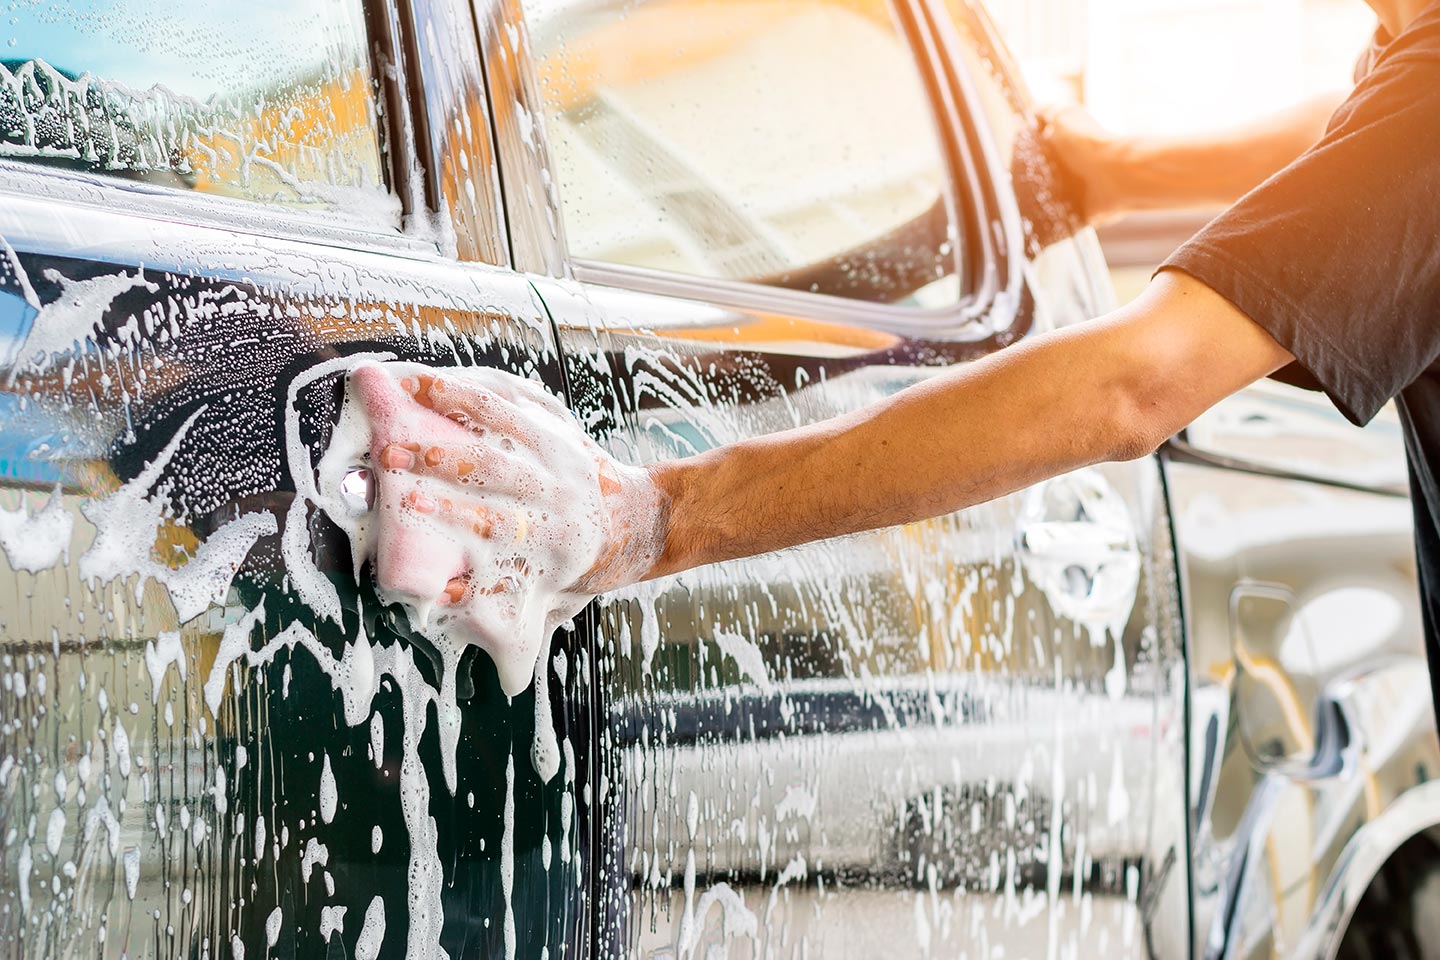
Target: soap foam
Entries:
(36, 541)
(525, 574)
(535, 569)
(328, 796)
(372, 933)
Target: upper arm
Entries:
(1186, 348)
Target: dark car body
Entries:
(1168, 708)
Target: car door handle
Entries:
(1076, 541)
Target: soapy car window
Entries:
(271, 102)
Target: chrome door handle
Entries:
(1076, 540)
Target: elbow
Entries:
(1134, 442)
(1140, 418)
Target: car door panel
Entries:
(899, 742)
(216, 737)
(1306, 654)
(870, 743)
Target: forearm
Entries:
(918, 454)
(1110, 389)
(1162, 174)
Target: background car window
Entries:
(784, 143)
(270, 101)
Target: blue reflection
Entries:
(16, 318)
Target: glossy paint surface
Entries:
(961, 735)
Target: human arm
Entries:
(1113, 175)
(1110, 389)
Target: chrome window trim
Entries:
(441, 36)
(231, 214)
(535, 227)
(952, 324)
(403, 159)
(103, 233)
(1007, 249)
(986, 308)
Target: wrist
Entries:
(634, 520)
(670, 481)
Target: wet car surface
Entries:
(1130, 712)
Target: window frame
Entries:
(988, 231)
(384, 34)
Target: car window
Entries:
(272, 101)
(763, 141)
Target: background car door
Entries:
(959, 734)
(1311, 703)
(214, 739)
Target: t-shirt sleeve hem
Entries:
(1354, 393)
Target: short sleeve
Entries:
(1338, 255)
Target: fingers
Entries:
(508, 577)
(397, 456)
(472, 469)
(461, 515)
(478, 409)
(414, 563)
(474, 410)
(476, 519)
(377, 391)
(515, 390)
(436, 550)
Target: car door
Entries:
(215, 739)
(1311, 704)
(959, 734)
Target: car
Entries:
(1176, 707)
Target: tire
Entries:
(1398, 918)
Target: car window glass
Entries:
(791, 144)
(273, 102)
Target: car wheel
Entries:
(1398, 918)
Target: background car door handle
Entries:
(1076, 539)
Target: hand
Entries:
(496, 518)
(1093, 161)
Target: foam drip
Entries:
(534, 570)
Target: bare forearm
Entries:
(916, 455)
(1158, 174)
(1112, 389)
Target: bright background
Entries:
(1174, 66)
(1167, 67)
